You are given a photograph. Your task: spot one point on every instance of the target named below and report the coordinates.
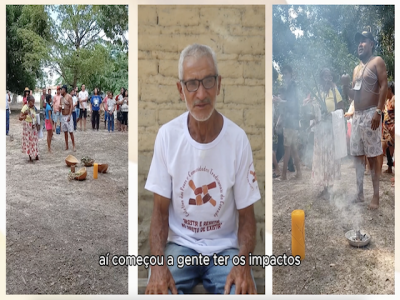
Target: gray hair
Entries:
(197, 51)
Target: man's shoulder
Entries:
(233, 130)
(173, 126)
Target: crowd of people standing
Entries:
(63, 112)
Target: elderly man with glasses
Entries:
(204, 184)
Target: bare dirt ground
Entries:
(56, 228)
(331, 265)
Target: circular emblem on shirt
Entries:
(252, 176)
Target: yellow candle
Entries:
(95, 170)
(298, 234)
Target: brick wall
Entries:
(237, 35)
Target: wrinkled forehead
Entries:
(198, 63)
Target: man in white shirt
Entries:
(204, 184)
(83, 98)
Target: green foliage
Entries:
(81, 53)
(328, 39)
(27, 36)
(113, 19)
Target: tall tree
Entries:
(81, 42)
(77, 50)
(27, 37)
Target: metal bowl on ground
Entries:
(355, 241)
(102, 168)
(87, 162)
(71, 160)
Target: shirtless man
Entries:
(67, 124)
(369, 90)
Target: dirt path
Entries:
(331, 265)
(56, 228)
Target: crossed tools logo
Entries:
(254, 175)
(251, 176)
(202, 194)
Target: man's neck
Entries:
(207, 131)
(366, 59)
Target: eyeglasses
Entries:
(194, 84)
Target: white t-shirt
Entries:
(7, 104)
(74, 100)
(110, 104)
(124, 106)
(83, 95)
(183, 170)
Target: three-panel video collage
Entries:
(256, 155)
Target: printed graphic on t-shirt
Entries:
(252, 177)
(208, 192)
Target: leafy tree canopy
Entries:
(325, 38)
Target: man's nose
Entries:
(201, 92)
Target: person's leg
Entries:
(389, 151)
(187, 277)
(92, 119)
(214, 279)
(7, 121)
(374, 152)
(53, 116)
(277, 173)
(73, 140)
(97, 120)
(287, 142)
(74, 119)
(112, 122)
(80, 119)
(291, 164)
(285, 162)
(296, 161)
(360, 168)
(280, 150)
(125, 114)
(376, 169)
(66, 139)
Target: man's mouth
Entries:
(201, 104)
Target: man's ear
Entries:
(219, 84)
(180, 87)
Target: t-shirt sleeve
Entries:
(246, 189)
(159, 181)
(338, 96)
(24, 108)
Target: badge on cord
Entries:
(357, 85)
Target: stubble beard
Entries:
(193, 114)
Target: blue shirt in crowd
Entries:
(48, 108)
(95, 101)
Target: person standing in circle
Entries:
(95, 102)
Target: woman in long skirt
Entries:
(30, 129)
(325, 168)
